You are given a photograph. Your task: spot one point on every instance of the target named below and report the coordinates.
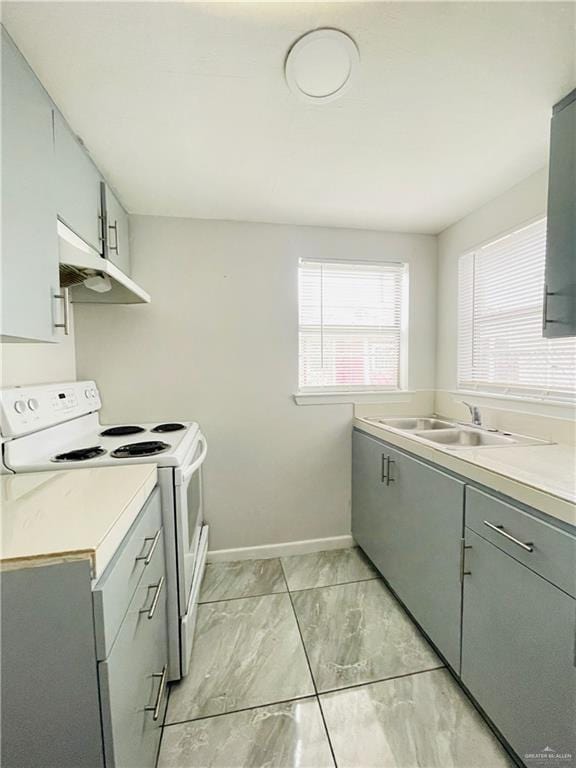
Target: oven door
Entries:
(189, 519)
(188, 622)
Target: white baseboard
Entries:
(285, 549)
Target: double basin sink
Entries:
(452, 435)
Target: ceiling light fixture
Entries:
(320, 65)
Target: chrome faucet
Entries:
(474, 413)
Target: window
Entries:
(351, 325)
(500, 344)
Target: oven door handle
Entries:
(189, 471)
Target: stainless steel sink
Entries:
(470, 437)
(466, 438)
(452, 435)
(416, 423)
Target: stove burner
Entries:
(119, 431)
(146, 448)
(81, 454)
(171, 427)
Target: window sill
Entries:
(513, 397)
(336, 398)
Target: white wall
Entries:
(23, 363)
(219, 344)
(520, 205)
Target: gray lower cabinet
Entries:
(84, 663)
(30, 281)
(133, 678)
(560, 290)
(496, 597)
(77, 186)
(407, 517)
(518, 652)
(50, 714)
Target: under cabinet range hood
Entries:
(90, 277)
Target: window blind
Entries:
(500, 344)
(350, 331)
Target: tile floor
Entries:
(309, 661)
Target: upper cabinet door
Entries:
(560, 291)
(116, 227)
(30, 281)
(77, 186)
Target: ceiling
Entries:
(185, 109)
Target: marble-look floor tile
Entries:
(243, 578)
(357, 633)
(321, 569)
(246, 653)
(277, 736)
(419, 721)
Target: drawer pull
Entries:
(154, 539)
(383, 468)
(527, 546)
(152, 610)
(155, 708)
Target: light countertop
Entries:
(70, 514)
(541, 476)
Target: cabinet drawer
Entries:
(553, 554)
(115, 588)
(133, 679)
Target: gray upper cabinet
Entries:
(518, 651)
(117, 230)
(46, 175)
(30, 279)
(77, 186)
(408, 518)
(560, 291)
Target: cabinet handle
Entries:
(65, 298)
(152, 610)
(115, 228)
(101, 228)
(389, 478)
(527, 546)
(155, 708)
(545, 320)
(383, 465)
(463, 548)
(154, 539)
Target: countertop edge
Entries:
(107, 547)
(98, 553)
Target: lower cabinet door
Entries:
(408, 518)
(133, 679)
(368, 521)
(518, 653)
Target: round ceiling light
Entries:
(320, 65)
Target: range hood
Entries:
(92, 278)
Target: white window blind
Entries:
(500, 344)
(351, 318)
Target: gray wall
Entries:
(219, 344)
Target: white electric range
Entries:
(54, 426)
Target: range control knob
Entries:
(19, 406)
(87, 393)
(33, 404)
